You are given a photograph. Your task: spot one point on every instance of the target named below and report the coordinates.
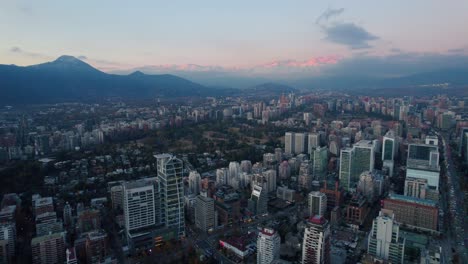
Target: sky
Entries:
(257, 37)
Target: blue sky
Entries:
(114, 35)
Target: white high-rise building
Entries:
(172, 192)
(268, 246)
(317, 204)
(300, 143)
(194, 181)
(141, 207)
(289, 143)
(384, 239)
(313, 141)
(204, 213)
(234, 172)
(316, 245)
(270, 177)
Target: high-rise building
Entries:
(305, 175)
(222, 176)
(389, 146)
(316, 245)
(289, 143)
(418, 187)
(284, 170)
(354, 161)
(319, 158)
(317, 204)
(67, 215)
(116, 193)
(48, 249)
(346, 158)
(371, 184)
(268, 246)
(172, 190)
(423, 166)
(258, 202)
(234, 172)
(270, 177)
(300, 143)
(194, 181)
(246, 166)
(313, 141)
(7, 242)
(384, 240)
(141, 210)
(363, 159)
(204, 213)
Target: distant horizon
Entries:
(261, 39)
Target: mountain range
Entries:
(70, 79)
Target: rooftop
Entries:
(412, 199)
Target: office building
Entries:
(316, 245)
(384, 240)
(194, 181)
(319, 159)
(313, 141)
(317, 202)
(389, 146)
(171, 189)
(305, 175)
(268, 246)
(300, 140)
(289, 143)
(423, 163)
(414, 212)
(141, 212)
(346, 157)
(204, 213)
(258, 202)
(49, 249)
(354, 161)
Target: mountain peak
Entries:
(137, 73)
(67, 59)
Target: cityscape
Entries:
(287, 162)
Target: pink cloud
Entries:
(312, 62)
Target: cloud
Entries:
(20, 51)
(330, 12)
(396, 64)
(344, 33)
(349, 34)
(82, 57)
